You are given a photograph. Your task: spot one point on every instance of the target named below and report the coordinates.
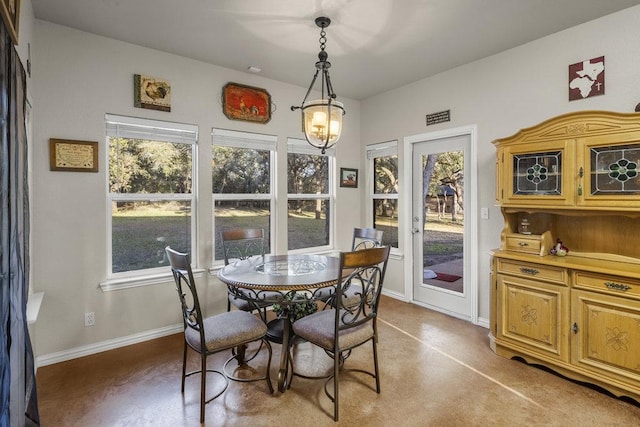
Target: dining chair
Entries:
(364, 238)
(213, 334)
(346, 324)
(240, 244)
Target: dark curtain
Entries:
(17, 388)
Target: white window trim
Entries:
(373, 151)
(134, 127)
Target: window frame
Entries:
(159, 131)
(301, 146)
(258, 141)
(372, 152)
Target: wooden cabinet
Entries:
(536, 175)
(608, 171)
(532, 302)
(574, 178)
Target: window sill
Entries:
(33, 307)
(138, 281)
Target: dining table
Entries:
(283, 280)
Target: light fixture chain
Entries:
(323, 40)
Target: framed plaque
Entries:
(247, 103)
(73, 156)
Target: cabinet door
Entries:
(534, 316)
(607, 335)
(609, 173)
(538, 175)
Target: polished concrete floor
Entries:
(435, 371)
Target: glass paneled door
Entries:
(441, 225)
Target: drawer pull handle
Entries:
(575, 328)
(617, 286)
(531, 271)
(523, 244)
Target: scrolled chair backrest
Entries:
(365, 238)
(186, 288)
(242, 243)
(365, 270)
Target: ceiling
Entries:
(373, 45)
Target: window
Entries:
(242, 170)
(383, 166)
(150, 194)
(310, 195)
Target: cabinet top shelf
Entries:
(575, 125)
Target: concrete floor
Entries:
(435, 371)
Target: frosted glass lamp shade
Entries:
(322, 122)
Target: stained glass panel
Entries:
(615, 170)
(538, 173)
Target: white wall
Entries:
(504, 93)
(77, 78)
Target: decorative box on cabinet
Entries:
(575, 178)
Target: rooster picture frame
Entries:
(246, 103)
(151, 92)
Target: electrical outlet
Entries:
(89, 319)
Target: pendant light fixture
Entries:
(322, 118)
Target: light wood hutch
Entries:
(575, 177)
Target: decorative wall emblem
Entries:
(586, 79)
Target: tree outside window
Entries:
(309, 197)
(241, 182)
(383, 164)
(150, 193)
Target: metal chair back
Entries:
(242, 243)
(365, 238)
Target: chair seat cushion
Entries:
(227, 330)
(318, 328)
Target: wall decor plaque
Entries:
(586, 78)
(348, 177)
(247, 103)
(73, 156)
(151, 93)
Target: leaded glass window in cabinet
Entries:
(537, 173)
(615, 170)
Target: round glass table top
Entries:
(291, 267)
(282, 272)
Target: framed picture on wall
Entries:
(73, 156)
(10, 10)
(348, 177)
(151, 93)
(247, 103)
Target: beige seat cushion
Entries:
(227, 330)
(318, 328)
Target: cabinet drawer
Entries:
(538, 271)
(523, 243)
(613, 285)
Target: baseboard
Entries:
(394, 295)
(74, 353)
(483, 322)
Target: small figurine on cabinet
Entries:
(559, 249)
